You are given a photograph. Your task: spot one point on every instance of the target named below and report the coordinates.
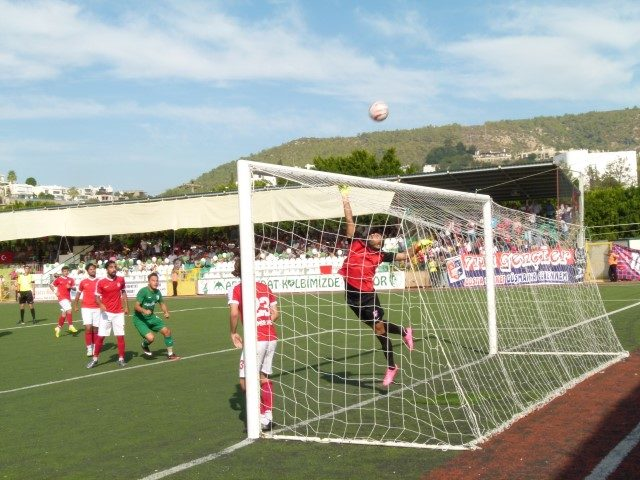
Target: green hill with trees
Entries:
(608, 131)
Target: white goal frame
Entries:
(249, 216)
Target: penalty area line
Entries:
(199, 461)
(119, 370)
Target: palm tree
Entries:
(12, 177)
(73, 193)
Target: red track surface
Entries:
(564, 440)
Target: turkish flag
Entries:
(325, 269)
(6, 257)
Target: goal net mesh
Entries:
(451, 391)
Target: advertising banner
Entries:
(628, 262)
(543, 266)
(301, 283)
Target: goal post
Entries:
(504, 313)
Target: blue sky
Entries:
(150, 94)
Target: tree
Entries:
(450, 156)
(616, 174)
(31, 181)
(73, 192)
(12, 177)
(361, 163)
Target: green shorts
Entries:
(152, 324)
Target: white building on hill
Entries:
(578, 161)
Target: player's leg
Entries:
(147, 335)
(21, 302)
(168, 341)
(32, 308)
(104, 330)
(117, 320)
(265, 361)
(241, 376)
(87, 321)
(60, 319)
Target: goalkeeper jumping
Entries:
(358, 270)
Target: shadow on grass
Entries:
(128, 356)
(237, 402)
(5, 333)
(345, 378)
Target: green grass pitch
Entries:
(60, 420)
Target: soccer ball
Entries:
(378, 111)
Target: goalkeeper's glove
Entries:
(344, 190)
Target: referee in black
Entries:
(26, 293)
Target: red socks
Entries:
(98, 345)
(266, 396)
(61, 321)
(88, 335)
(120, 340)
(69, 318)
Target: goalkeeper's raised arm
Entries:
(348, 214)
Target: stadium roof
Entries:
(515, 182)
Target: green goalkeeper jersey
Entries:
(147, 298)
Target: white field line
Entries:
(28, 323)
(197, 355)
(615, 457)
(119, 370)
(571, 327)
(198, 461)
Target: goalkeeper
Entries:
(358, 270)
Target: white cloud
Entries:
(548, 52)
(408, 25)
(53, 38)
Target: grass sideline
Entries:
(110, 422)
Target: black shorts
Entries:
(25, 297)
(366, 305)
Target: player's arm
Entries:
(125, 302)
(99, 302)
(348, 214)
(275, 313)
(165, 310)
(234, 319)
(140, 309)
(76, 303)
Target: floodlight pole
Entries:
(250, 342)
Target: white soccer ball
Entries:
(378, 111)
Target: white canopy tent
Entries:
(189, 212)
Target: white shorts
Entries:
(65, 305)
(266, 351)
(108, 320)
(91, 316)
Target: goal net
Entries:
(504, 312)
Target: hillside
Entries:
(612, 130)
